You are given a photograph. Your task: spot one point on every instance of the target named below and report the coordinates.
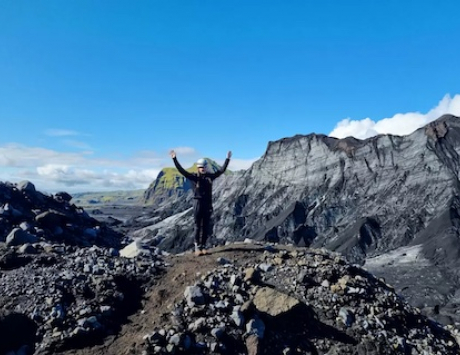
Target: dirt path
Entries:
(182, 271)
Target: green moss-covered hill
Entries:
(170, 183)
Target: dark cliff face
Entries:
(359, 197)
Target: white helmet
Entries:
(201, 163)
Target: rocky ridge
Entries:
(278, 300)
(242, 299)
(358, 197)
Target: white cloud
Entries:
(78, 179)
(18, 155)
(143, 176)
(53, 171)
(76, 144)
(400, 124)
(358, 129)
(184, 151)
(53, 132)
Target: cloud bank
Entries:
(81, 170)
(52, 171)
(400, 124)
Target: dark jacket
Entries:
(202, 183)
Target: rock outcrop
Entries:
(295, 301)
(29, 216)
(66, 279)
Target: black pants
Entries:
(202, 213)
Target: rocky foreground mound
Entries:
(64, 281)
(66, 297)
(67, 286)
(265, 300)
(239, 299)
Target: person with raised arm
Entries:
(202, 186)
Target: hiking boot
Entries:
(197, 250)
(203, 250)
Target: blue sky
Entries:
(94, 94)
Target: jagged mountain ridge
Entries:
(359, 197)
(317, 190)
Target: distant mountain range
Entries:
(92, 199)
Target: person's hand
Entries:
(229, 154)
(172, 153)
